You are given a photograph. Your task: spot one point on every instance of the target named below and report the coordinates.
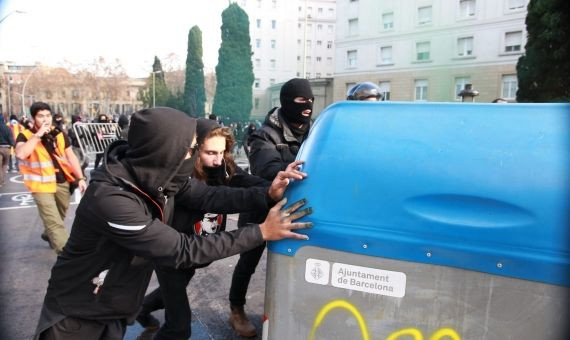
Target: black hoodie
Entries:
(119, 228)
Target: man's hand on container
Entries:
(280, 222)
(281, 181)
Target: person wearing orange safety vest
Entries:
(16, 128)
(48, 165)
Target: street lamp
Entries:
(154, 87)
(7, 15)
(468, 94)
(24, 89)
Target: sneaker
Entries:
(240, 323)
(148, 321)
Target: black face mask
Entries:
(292, 111)
(216, 174)
(184, 173)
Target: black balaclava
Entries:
(290, 110)
(159, 139)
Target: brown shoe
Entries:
(240, 323)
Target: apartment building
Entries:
(427, 50)
(289, 38)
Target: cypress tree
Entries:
(544, 71)
(162, 93)
(234, 71)
(194, 92)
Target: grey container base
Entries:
(438, 300)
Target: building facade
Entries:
(66, 93)
(288, 38)
(427, 50)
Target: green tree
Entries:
(544, 71)
(156, 88)
(234, 71)
(194, 93)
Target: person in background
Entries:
(16, 128)
(123, 123)
(49, 165)
(102, 118)
(6, 144)
(272, 148)
(366, 91)
(250, 130)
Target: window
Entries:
(273, 43)
(273, 24)
(353, 26)
(329, 60)
(351, 58)
(384, 89)
(309, 27)
(299, 25)
(319, 28)
(318, 75)
(329, 44)
(256, 83)
(320, 10)
(331, 11)
(421, 90)
(258, 43)
(258, 23)
(257, 62)
(460, 83)
(300, 8)
(509, 87)
(516, 4)
(309, 42)
(298, 58)
(308, 59)
(424, 15)
(319, 43)
(513, 41)
(272, 63)
(330, 29)
(319, 59)
(422, 50)
(386, 55)
(349, 86)
(256, 103)
(274, 3)
(308, 75)
(388, 20)
(272, 81)
(465, 46)
(258, 3)
(298, 41)
(466, 8)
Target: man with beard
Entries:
(121, 228)
(272, 148)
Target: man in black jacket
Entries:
(272, 148)
(121, 228)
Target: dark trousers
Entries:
(73, 329)
(243, 271)
(171, 295)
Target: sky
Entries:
(79, 31)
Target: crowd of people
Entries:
(158, 201)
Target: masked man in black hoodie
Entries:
(121, 228)
(272, 148)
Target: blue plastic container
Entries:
(482, 187)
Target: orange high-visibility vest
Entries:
(38, 170)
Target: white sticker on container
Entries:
(369, 280)
(317, 271)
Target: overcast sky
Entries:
(133, 31)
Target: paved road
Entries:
(26, 261)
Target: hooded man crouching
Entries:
(121, 227)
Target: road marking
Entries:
(25, 199)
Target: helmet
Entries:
(363, 91)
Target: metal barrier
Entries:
(93, 138)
